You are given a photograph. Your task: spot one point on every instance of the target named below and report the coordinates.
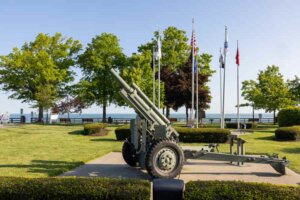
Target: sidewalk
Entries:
(112, 165)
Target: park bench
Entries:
(253, 120)
(87, 120)
(64, 120)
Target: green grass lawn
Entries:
(41, 151)
(262, 142)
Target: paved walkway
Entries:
(112, 165)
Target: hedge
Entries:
(236, 190)
(248, 125)
(188, 135)
(289, 117)
(206, 135)
(90, 129)
(288, 133)
(122, 132)
(73, 188)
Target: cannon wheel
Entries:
(164, 159)
(129, 154)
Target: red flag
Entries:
(237, 57)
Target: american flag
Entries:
(193, 42)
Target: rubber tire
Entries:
(151, 166)
(129, 154)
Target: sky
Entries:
(268, 32)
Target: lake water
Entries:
(126, 116)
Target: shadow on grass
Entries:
(103, 140)
(291, 150)
(48, 167)
(77, 132)
(272, 137)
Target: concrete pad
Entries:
(112, 165)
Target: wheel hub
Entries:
(166, 159)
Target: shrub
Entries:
(188, 135)
(73, 188)
(207, 135)
(248, 125)
(289, 117)
(122, 132)
(288, 133)
(236, 190)
(90, 129)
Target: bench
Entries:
(87, 120)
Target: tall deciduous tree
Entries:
(39, 71)
(180, 90)
(175, 52)
(294, 88)
(98, 85)
(269, 92)
(139, 71)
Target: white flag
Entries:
(158, 53)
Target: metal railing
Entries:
(127, 120)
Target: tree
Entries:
(252, 94)
(180, 91)
(39, 71)
(269, 92)
(175, 52)
(294, 88)
(139, 71)
(98, 84)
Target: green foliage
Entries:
(187, 135)
(236, 190)
(122, 132)
(39, 71)
(289, 116)
(269, 92)
(288, 133)
(73, 188)
(294, 88)
(248, 125)
(90, 129)
(98, 84)
(206, 135)
(139, 71)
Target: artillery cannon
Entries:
(154, 144)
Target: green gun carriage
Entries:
(154, 144)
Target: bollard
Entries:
(163, 189)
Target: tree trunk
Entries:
(186, 114)
(253, 114)
(274, 117)
(168, 112)
(104, 112)
(41, 114)
(163, 110)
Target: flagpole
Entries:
(158, 82)
(153, 68)
(238, 88)
(224, 75)
(197, 94)
(193, 79)
(221, 99)
(158, 58)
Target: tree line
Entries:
(41, 72)
(270, 91)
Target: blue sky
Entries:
(268, 32)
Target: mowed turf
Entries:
(41, 150)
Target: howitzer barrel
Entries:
(121, 81)
(140, 102)
(150, 104)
